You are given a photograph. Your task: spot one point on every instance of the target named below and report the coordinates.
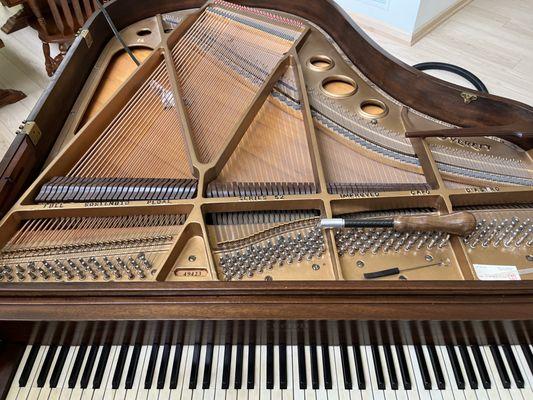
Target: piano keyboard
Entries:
(237, 370)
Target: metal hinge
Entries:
(86, 35)
(32, 130)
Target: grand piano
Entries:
(268, 206)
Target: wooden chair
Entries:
(58, 21)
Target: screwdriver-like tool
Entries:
(397, 271)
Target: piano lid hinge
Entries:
(31, 129)
(86, 35)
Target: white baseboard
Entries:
(373, 25)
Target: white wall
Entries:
(403, 16)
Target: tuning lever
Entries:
(458, 223)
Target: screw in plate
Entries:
(360, 263)
(529, 257)
(315, 267)
(268, 278)
(192, 258)
(428, 257)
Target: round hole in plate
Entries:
(373, 109)
(339, 86)
(144, 32)
(320, 63)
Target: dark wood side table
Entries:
(9, 96)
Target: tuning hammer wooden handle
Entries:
(458, 223)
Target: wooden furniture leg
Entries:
(17, 21)
(10, 96)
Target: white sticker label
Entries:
(487, 272)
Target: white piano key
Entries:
(46, 389)
(55, 393)
(412, 394)
(526, 372)
(310, 393)
(264, 393)
(210, 394)
(321, 392)
(219, 366)
(389, 393)
(514, 391)
(372, 383)
(120, 393)
(452, 391)
(337, 374)
(231, 393)
(153, 392)
(275, 393)
(14, 389)
(186, 393)
(299, 394)
(401, 393)
(198, 393)
(481, 392)
(242, 394)
(33, 392)
(99, 394)
(416, 378)
(164, 393)
(288, 394)
(144, 354)
(493, 373)
(435, 393)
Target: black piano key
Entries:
(193, 380)
(46, 365)
(426, 380)
(89, 365)
(60, 363)
(359, 371)
(238, 366)
(527, 354)
(378, 368)
(208, 367)
(163, 367)
(174, 374)
(326, 367)
(227, 366)
(481, 367)
(469, 367)
(500, 366)
(283, 382)
(437, 368)
(148, 380)
(132, 369)
(404, 369)
(456, 367)
(76, 369)
(119, 368)
(270, 366)
(30, 361)
(102, 362)
(302, 375)
(346, 373)
(393, 377)
(251, 366)
(513, 365)
(314, 367)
